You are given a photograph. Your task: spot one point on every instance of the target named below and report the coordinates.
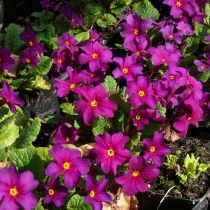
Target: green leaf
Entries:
(192, 45)
(201, 31)
(99, 126)
(92, 12)
(161, 110)
(106, 20)
(67, 108)
(146, 10)
(191, 165)
(3, 112)
(82, 36)
(110, 84)
(204, 76)
(61, 24)
(133, 142)
(52, 118)
(207, 11)
(117, 6)
(28, 135)
(12, 39)
(151, 128)
(43, 153)
(17, 82)
(203, 167)
(77, 203)
(39, 205)
(118, 121)
(43, 67)
(27, 159)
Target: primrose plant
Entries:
(123, 93)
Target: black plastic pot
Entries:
(151, 201)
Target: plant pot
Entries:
(151, 201)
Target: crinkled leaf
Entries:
(201, 31)
(28, 134)
(161, 109)
(27, 159)
(203, 167)
(110, 84)
(83, 36)
(99, 126)
(39, 205)
(118, 121)
(43, 67)
(192, 45)
(133, 142)
(52, 118)
(61, 24)
(12, 39)
(204, 76)
(151, 128)
(3, 112)
(67, 108)
(207, 11)
(117, 6)
(106, 20)
(146, 10)
(43, 153)
(92, 12)
(76, 203)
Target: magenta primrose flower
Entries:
(6, 61)
(65, 87)
(65, 135)
(110, 151)
(10, 97)
(155, 148)
(96, 192)
(180, 6)
(96, 55)
(127, 68)
(47, 3)
(16, 189)
(30, 57)
(55, 192)
(69, 162)
(95, 103)
(134, 27)
(138, 176)
(185, 28)
(67, 40)
(142, 92)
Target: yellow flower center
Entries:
(137, 53)
(66, 166)
(67, 138)
(13, 191)
(135, 174)
(93, 103)
(110, 152)
(125, 70)
(141, 93)
(163, 59)
(172, 77)
(138, 117)
(178, 3)
(189, 118)
(93, 40)
(93, 75)
(72, 20)
(136, 32)
(67, 43)
(152, 149)
(27, 60)
(31, 43)
(72, 86)
(171, 36)
(59, 60)
(202, 67)
(189, 91)
(183, 30)
(51, 192)
(92, 194)
(94, 55)
(205, 103)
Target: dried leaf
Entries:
(12, 73)
(4, 164)
(170, 135)
(86, 148)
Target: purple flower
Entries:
(65, 87)
(95, 103)
(185, 28)
(10, 97)
(75, 18)
(127, 68)
(134, 27)
(155, 148)
(167, 31)
(55, 192)
(67, 40)
(96, 192)
(110, 151)
(16, 189)
(142, 93)
(140, 118)
(6, 62)
(47, 3)
(69, 162)
(65, 135)
(94, 36)
(179, 6)
(138, 176)
(96, 55)
(193, 115)
(202, 66)
(205, 103)
(97, 76)
(29, 36)
(30, 57)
